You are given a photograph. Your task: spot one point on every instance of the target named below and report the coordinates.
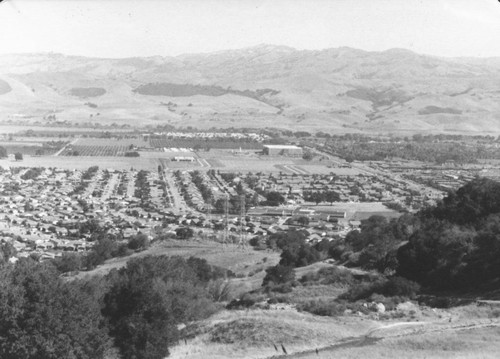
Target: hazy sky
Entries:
(123, 28)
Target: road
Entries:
(178, 204)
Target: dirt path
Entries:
(378, 334)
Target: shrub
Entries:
(245, 301)
(321, 307)
(399, 286)
(394, 286)
(281, 288)
(279, 274)
(139, 241)
(68, 262)
(184, 233)
(220, 290)
(122, 250)
(334, 275)
(442, 302)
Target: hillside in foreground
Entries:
(334, 89)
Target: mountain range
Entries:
(332, 90)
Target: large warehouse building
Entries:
(283, 150)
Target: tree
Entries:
(68, 262)
(279, 274)
(18, 156)
(148, 299)
(7, 250)
(45, 317)
(220, 205)
(436, 255)
(303, 220)
(299, 256)
(472, 202)
(308, 155)
(3, 152)
(184, 233)
(104, 249)
(274, 199)
(332, 196)
(197, 147)
(139, 241)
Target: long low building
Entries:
(183, 159)
(283, 150)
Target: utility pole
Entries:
(225, 236)
(242, 241)
(209, 217)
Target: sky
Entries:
(129, 28)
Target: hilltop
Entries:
(334, 89)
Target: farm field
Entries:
(248, 161)
(14, 129)
(80, 162)
(203, 143)
(126, 141)
(28, 149)
(101, 146)
(112, 150)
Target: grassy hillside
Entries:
(335, 89)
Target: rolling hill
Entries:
(341, 89)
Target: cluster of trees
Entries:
(136, 309)
(295, 252)
(18, 156)
(89, 173)
(106, 247)
(297, 134)
(452, 246)
(132, 154)
(273, 199)
(84, 183)
(429, 138)
(321, 196)
(435, 152)
(457, 244)
(234, 204)
(32, 173)
(375, 245)
(205, 190)
(142, 188)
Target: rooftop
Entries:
(287, 147)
